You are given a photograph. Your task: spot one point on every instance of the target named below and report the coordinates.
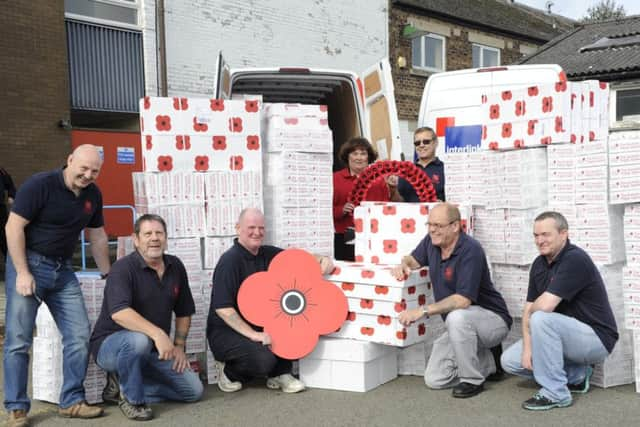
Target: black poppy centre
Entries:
(293, 302)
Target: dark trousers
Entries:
(244, 359)
(342, 251)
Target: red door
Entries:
(122, 156)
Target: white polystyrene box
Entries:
(348, 365)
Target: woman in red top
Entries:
(357, 154)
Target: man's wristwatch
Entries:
(425, 311)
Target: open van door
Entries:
(222, 79)
(381, 117)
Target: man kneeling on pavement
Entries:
(131, 337)
(475, 314)
(567, 323)
(242, 350)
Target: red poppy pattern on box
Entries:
(376, 299)
(545, 114)
(391, 230)
(200, 135)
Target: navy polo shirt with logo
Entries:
(573, 276)
(235, 265)
(465, 273)
(133, 284)
(435, 171)
(56, 215)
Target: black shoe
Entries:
(540, 403)
(111, 392)
(135, 412)
(464, 390)
(496, 376)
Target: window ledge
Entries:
(422, 72)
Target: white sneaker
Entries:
(224, 383)
(285, 382)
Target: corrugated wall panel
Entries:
(105, 67)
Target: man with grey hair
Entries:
(50, 211)
(475, 314)
(241, 349)
(567, 323)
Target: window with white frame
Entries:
(627, 103)
(427, 52)
(119, 12)
(485, 56)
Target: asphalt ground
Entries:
(404, 401)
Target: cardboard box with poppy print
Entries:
(348, 365)
(385, 232)
(199, 135)
(375, 300)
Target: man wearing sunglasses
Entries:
(475, 314)
(425, 142)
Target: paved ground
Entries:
(402, 402)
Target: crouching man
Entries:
(131, 337)
(567, 323)
(475, 314)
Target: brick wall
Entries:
(34, 87)
(409, 84)
(335, 34)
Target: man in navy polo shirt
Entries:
(474, 312)
(131, 337)
(241, 349)
(50, 211)
(425, 142)
(567, 323)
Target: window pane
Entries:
(433, 53)
(489, 58)
(475, 53)
(108, 11)
(627, 103)
(416, 52)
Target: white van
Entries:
(356, 106)
(451, 101)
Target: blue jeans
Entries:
(143, 377)
(561, 349)
(58, 287)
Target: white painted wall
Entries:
(338, 34)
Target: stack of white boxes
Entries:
(47, 348)
(203, 165)
(368, 357)
(298, 188)
(631, 282)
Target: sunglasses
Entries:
(422, 141)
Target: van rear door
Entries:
(222, 79)
(381, 117)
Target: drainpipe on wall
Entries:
(161, 43)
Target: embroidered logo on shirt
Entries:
(176, 291)
(448, 274)
(88, 207)
(435, 178)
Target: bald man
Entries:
(242, 350)
(50, 211)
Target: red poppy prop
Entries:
(293, 303)
(413, 174)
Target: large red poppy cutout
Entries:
(293, 303)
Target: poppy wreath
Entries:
(293, 303)
(418, 179)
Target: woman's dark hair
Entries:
(354, 144)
